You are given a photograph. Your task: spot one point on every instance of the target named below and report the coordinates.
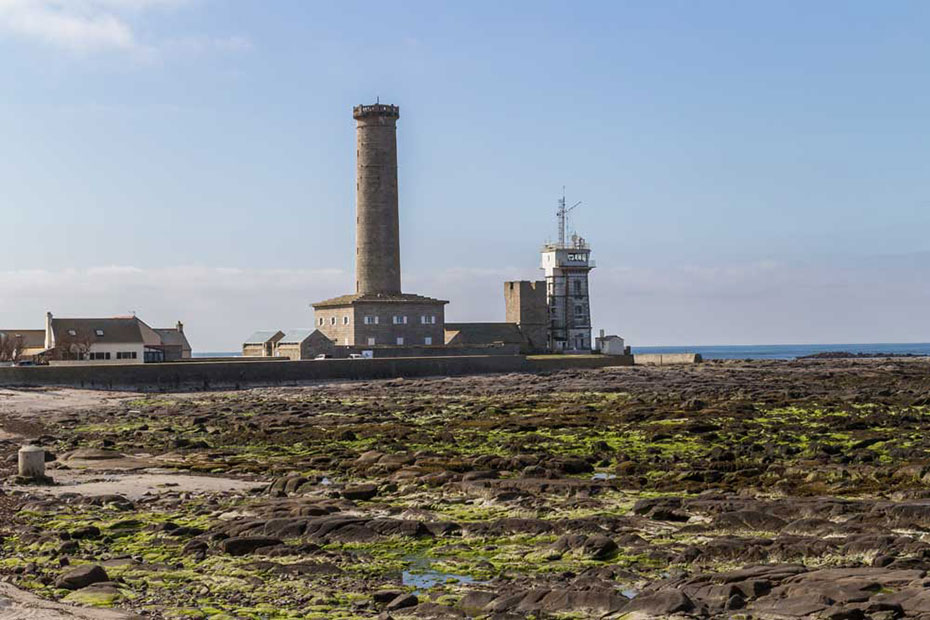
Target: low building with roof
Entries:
(174, 342)
(21, 344)
(262, 343)
(123, 339)
(373, 320)
(303, 344)
(485, 334)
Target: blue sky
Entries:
(750, 173)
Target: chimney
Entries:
(49, 336)
(180, 327)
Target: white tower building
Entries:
(566, 265)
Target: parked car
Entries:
(24, 363)
(323, 356)
(356, 356)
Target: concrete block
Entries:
(32, 462)
(666, 359)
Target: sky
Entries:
(749, 173)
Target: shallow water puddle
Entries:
(421, 576)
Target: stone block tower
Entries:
(377, 263)
(525, 305)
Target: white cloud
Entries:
(883, 299)
(219, 306)
(78, 30)
(198, 45)
(91, 26)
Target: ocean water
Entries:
(788, 351)
(745, 351)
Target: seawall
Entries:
(166, 377)
(666, 359)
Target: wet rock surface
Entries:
(733, 489)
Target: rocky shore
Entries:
(724, 490)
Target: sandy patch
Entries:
(15, 604)
(137, 484)
(32, 401)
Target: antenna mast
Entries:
(562, 214)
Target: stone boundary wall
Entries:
(188, 375)
(543, 363)
(666, 359)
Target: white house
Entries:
(125, 339)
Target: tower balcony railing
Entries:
(376, 109)
(578, 264)
(578, 245)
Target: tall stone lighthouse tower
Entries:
(377, 233)
(378, 317)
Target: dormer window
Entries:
(72, 332)
(99, 332)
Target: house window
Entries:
(99, 332)
(577, 284)
(345, 320)
(371, 320)
(321, 320)
(126, 355)
(428, 319)
(371, 341)
(99, 356)
(579, 310)
(400, 340)
(332, 320)
(428, 340)
(400, 320)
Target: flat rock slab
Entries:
(93, 458)
(16, 604)
(36, 402)
(133, 486)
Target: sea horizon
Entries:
(744, 351)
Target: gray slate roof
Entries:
(263, 336)
(32, 338)
(296, 336)
(486, 333)
(358, 298)
(120, 330)
(171, 336)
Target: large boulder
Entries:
(360, 492)
(592, 600)
(244, 545)
(597, 547)
(660, 604)
(81, 577)
(402, 601)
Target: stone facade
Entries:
(525, 304)
(262, 343)
(255, 350)
(307, 348)
(356, 321)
